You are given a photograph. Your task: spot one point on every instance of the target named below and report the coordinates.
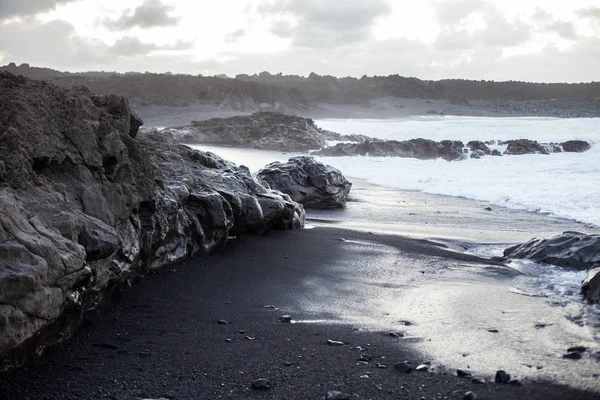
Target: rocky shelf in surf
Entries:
(87, 203)
(450, 150)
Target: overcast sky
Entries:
(532, 40)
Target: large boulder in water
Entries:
(262, 130)
(307, 181)
(87, 203)
(570, 250)
(590, 288)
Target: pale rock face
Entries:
(86, 204)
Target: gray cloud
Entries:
(23, 8)
(565, 30)
(589, 12)
(53, 43)
(497, 32)
(452, 12)
(150, 14)
(321, 24)
(235, 35)
(132, 46)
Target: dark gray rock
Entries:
(285, 319)
(524, 146)
(463, 372)
(578, 349)
(308, 182)
(334, 342)
(262, 130)
(475, 145)
(574, 355)
(575, 146)
(335, 395)
(403, 367)
(570, 250)
(502, 377)
(87, 203)
(590, 287)
(470, 396)
(423, 149)
(261, 384)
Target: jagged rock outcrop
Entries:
(262, 130)
(569, 250)
(307, 181)
(526, 146)
(423, 149)
(86, 204)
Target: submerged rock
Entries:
(308, 182)
(86, 204)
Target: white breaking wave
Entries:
(565, 184)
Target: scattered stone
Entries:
(488, 209)
(515, 382)
(540, 325)
(463, 373)
(364, 377)
(478, 380)
(396, 334)
(285, 319)
(261, 384)
(574, 355)
(403, 367)
(223, 322)
(578, 349)
(270, 307)
(405, 323)
(381, 366)
(470, 396)
(502, 377)
(334, 343)
(493, 330)
(335, 395)
(250, 338)
(422, 367)
(365, 357)
(241, 332)
(228, 340)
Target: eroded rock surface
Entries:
(262, 130)
(307, 181)
(86, 204)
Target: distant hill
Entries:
(247, 92)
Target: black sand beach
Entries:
(161, 337)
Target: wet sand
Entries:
(351, 278)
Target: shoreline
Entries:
(148, 345)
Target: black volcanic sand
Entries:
(161, 338)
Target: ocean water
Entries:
(565, 184)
